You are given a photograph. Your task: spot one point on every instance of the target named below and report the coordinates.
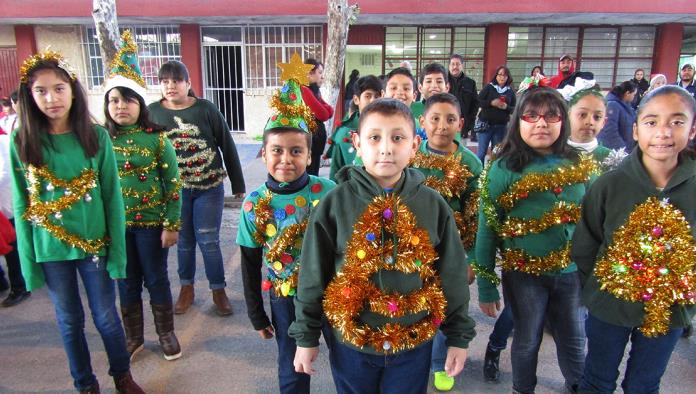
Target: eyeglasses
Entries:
(533, 117)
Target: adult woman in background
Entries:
(618, 131)
(497, 100)
(321, 109)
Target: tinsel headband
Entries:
(46, 56)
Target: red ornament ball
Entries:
(266, 285)
(557, 190)
(316, 188)
(290, 209)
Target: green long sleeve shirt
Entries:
(342, 150)
(69, 231)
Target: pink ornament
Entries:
(657, 231)
(437, 322)
(690, 295)
(391, 305)
(637, 265)
(388, 214)
(646, 297)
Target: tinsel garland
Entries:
(124, 69)
(291, 110)
(490, 213)
(285, 279)
(263, 214)
(51, 56)
(193, 167)
(553, 180)
(74, 190)
(407, 250)
(519, 260)
(455, 174)
(651, 260)
(484, 273)
(562, 213)
(467, 220)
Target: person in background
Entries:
(686, 79)
(657, 81)
(354, 75)
(642, 84)
(9, 121)
(464, 89)
(321, 109)
(497, 100)
(618, 131)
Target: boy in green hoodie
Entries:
(384, 240)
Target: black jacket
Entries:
(464, 89)
(495, 115)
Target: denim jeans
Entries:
(61, 280)
(439, 353)
(493, 136)
(147, 263)
(355, 372)
(534, 299)
(497, 341)
(282, 314)
(647, 359)
(201, 216)
(14, 269)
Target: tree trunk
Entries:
(340, 17)
(106, 23)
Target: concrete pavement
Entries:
(225, 355)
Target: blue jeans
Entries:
(355, 372)
(282, 314)
(497, 341)
(147, 263)
(493, 136)
(439, 354)
(201, 216)
(61, 279)
(646, 364)
(534, 299)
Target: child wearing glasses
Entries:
(530, 202)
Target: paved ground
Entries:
(225, 355)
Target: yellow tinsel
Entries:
(651, 260)
(282, 244)
(366, 254)
(263, 214)
(540, 182)
(467, 220)
(51, 56)
(292, 111)
(561, 213)
(119, 67)
(519, 260)
(455, 174)
(74, 190)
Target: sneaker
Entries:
(15, 297)
(442, 382)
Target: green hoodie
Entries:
(323, 253)
(607, 206)
(341, 150)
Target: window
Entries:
(266, 46)
(156, 45)
(423, 45)
(611, 53)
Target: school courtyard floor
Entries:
(224, 354)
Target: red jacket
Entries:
(7, 235)
(321, 109)
(557, 79)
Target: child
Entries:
(150, 182)
(202, 142)
(271, 227)
(322, 111)
(530, 200)
(367, 89)
(69, 213)
(384, 241)
(401, 85)
(433, 80)
(634, 249)
(441, 155)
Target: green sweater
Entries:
(534, 244)
(89, 218)
(608, 204)
(200, 134)
(468, 199)
(329, 231)
(342, 150)
(149, 178)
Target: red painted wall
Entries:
(667, 49)
(26, 42)
(495, 52)
(191, 55)
(366, 35)
(71, 8)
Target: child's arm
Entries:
(252, 259)
(588, 235)
(304, 357)
(229, 151)
(456, 358)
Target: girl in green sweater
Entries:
(530, 199)
(69, 213)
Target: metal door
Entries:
(224, 80)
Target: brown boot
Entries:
(183, 303)
(221, 302)
(126, 385)
(93, 389)
(164, 325)
(133, 323)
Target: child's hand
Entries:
(304, 357)
(169, 238)
(456, 358)
(266, 333)
(472, 275)
(490, 308)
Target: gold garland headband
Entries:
(651, 260)
(351, 290)
(47, 56)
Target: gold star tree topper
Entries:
(296, 70)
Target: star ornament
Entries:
(296, 70)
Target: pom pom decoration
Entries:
(613, 159)
(351, 290)
(637, 267)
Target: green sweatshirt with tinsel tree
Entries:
(70, 208)
(149, 178)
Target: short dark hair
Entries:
(456, 56)
(387, 107)
(623, 88)
(177, 71)
(541, 70)
(143, 118)
(441, 98)
(368, 82)
(432, 68)
(400, 71)
(514, 150)
(507, 71)
(286, 130)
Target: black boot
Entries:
(491, 365)
(126, 385)
(164, 325)
(15, 297)
(93, 389)
(133, 323)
